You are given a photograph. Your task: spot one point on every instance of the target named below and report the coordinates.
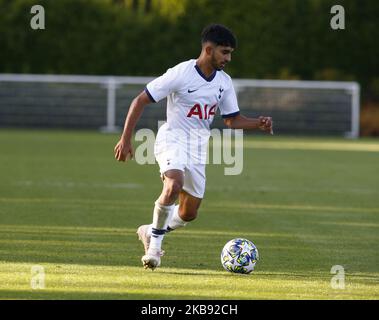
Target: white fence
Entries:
(297, 107)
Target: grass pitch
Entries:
(308, 204)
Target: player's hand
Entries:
(265, 124)
(123, 150)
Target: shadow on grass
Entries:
(197, 250)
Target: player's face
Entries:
(221, 55)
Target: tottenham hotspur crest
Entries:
(220, 91)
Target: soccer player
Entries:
(195, 90)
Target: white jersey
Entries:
(193, 99)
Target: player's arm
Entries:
(123, 149)
(155, 91)
(242, 122)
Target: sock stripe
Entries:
(157, 232)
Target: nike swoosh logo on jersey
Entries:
(190, 91)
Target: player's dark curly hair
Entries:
(219, 35)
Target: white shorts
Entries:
(173, 155)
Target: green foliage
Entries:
(276, 39)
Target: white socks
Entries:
(161, 217)
(176, 222)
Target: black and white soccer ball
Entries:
(239, 256)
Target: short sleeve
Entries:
(163, 86)
(229, 104)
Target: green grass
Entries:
(68, 206)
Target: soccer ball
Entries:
(239, 256)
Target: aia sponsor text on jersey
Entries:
(202, 112)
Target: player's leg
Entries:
(164, 206)
(173, 182)
(171, 157)
(172, 185)
(190, 198)
(185, 211)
